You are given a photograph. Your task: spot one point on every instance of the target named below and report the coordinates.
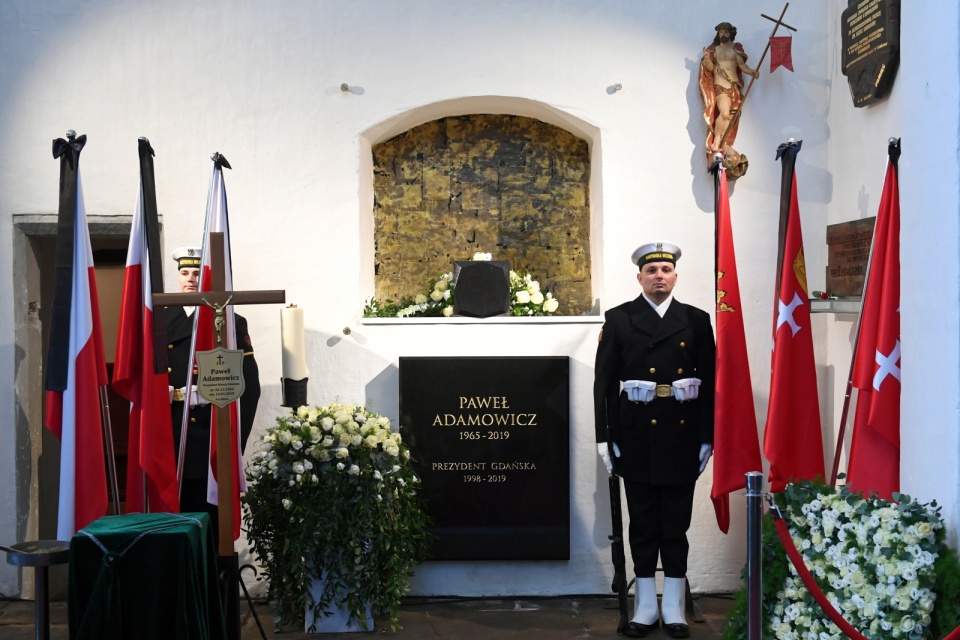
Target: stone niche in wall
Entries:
(511, 186)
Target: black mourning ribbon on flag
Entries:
(68, 151)
(220, 161)
(793, 146)
(151, 225)
(893, 151)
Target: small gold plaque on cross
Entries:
(220, 375)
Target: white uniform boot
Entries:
(673, 606)
(645, 614)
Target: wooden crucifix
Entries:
(219, 298)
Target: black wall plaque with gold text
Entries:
(490, 441)
(870, 41)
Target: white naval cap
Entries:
(656, 252)
(187, 257)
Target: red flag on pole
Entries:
(792, 440)
(150, 458)
(736, 444)
(205, 336)
(781, 54)
(75, 364)
(875, 447)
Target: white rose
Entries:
(354, 470)
(421, 298)
(284, 437)
(340, 466)
(287, 503)
(436, 296)
(447, 312)
(303, 413)
(551, 305)
(536, 297)
(343, 452)
(523, 296)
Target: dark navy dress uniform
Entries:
(659, 441)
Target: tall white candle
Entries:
(292, 340)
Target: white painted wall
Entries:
(259, 82)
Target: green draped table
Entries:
(145, 576)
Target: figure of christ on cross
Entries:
(218, 298)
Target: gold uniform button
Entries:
(653, 370)
(169, 369)
(683, 345)
(679, 370)
(653, 422)
(683, 422)
(169, 346)
(193, 419)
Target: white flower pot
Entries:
(339, 619)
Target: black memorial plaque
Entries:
(490, 439)
(870, 41)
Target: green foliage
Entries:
(885, 564)
(331, 491)
(946, 615)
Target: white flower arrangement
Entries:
(873, 559)
(334, 485)
(526, 298)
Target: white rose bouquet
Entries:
(875, 560)
(526, 298)
(331, 489)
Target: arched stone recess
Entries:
(509, 177)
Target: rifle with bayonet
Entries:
(619, 585)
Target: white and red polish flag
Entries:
(137, 375)
(205, 336)
(76, 368)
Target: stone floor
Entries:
(500, 619)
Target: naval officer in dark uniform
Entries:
(653, 399)
(193, 488)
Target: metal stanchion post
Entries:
(754, 570)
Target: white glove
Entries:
(706, 450)
(604, 452)
(170, 389)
